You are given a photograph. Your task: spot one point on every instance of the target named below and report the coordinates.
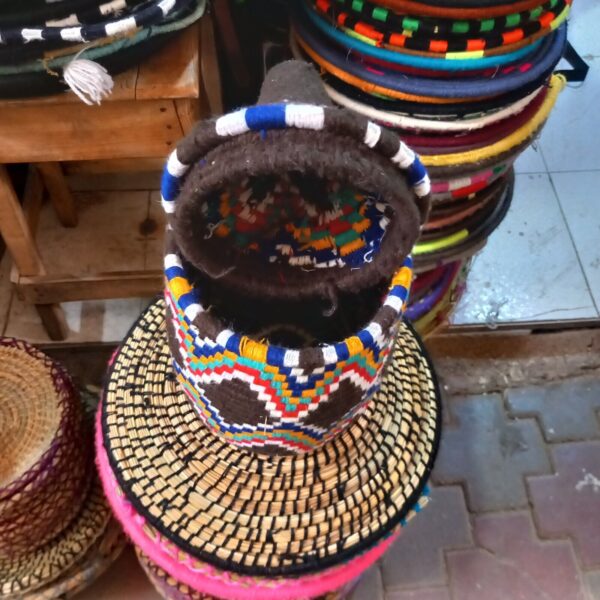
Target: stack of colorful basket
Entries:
(56, 530)
(46, 46)
(268, 429)
(467, 84)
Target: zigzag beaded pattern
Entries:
(152, 14)
(266, 515)
(301, 116)
(281, 398)
(25, 573)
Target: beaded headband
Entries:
(444, 64)
(394, 119)
(152, 14)
(411, 7)
(451, 48)
(466, 89)
(381, 16)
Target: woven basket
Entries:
(184, 490)
(294, 198)
(43, 462)
(268, 397)
(172, 589)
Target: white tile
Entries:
(529, 270)
(107, 237)
(90, 321)
(578, 196)
(531, 161)
(583, 28)
(569, 140)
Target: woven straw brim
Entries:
(259, 514)
(24, 574)
(30, 411)
(170, 588)
(97, 561)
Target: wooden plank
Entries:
(33, 197)
(209, 67)
(80, 132)
(53, 320)
(119, 165)
(188, 111)
(174, 72)
(15, 230)
(98, 286)
(59, 193)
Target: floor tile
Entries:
(439, 593)
(583, 33)
(124, 581)
(578, 196)
(370, 586)
(514, 278)
(489, 453)
(107, 238)
(592, 584)
(567, 410)
(569, 139)
(90, 321)
(416, 559)
(568, 503)
(512, 563)
(531, 161)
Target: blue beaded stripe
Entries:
(276, 356)
(280, 116)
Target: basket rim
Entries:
(182, 294)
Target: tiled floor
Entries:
(543, 263)
(515, 503)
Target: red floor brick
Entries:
(440, 593)
(567, 410)
(370, 586)
(511, 563)
(490, 453)
(416, 559)
(568, 503)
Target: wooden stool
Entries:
(151, 107)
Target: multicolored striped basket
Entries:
(267, 397)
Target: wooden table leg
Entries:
(59, 192)
(22, 247)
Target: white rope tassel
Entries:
(89, 80)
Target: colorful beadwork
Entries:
(275, 219)
(381, 15)
(256, 394)
(451, 47)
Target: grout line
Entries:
(585, 277)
